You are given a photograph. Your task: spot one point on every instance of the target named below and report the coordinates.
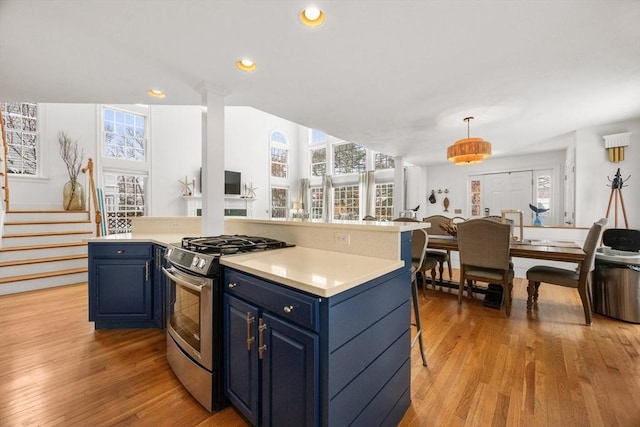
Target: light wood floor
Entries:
(484, 370)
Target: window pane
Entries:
(123, 129)
(279, 162)
(384, 161)
(124, 199)
(346, 203)
(318, 161)
(278, 202)
(349, 158)
(384, 202)
(317, 203)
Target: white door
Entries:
(511, 190)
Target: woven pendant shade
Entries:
(469, 151)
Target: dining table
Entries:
(547, 250)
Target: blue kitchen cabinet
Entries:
(342, 360)
(270, 362)
(121, 285)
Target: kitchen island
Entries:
(315, 336)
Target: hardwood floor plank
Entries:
(539, 369)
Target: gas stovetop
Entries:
(230, 244)
(200, 254)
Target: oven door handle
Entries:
(175, 275)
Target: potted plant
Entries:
(73, 193)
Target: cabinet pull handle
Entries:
(120, 251)
(250, 339)
(146, 271)
(232, 285)
(287, 309)
(261, 345)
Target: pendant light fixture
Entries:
(469, 151)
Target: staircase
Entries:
(43, 249)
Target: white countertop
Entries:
(319, 272)
(158, 238)
(379, 226)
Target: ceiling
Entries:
(397, 76)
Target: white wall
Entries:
(79, 122)
(175, 153)
(455, 178)
(593, 189)
(247, 151)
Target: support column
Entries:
(212, 158)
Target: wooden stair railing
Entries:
(93, 194)
(4, 158)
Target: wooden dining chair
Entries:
(578, 278)
(441, 257)
(483, 245)
(419, 241)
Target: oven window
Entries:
(185, 316)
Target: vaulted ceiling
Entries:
(397, 76)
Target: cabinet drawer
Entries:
(102, 250)
(288, 304)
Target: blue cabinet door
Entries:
(121, 290)
(289, 374)
(241, 357)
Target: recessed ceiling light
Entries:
(156, 93)
(246, 65)
(312, 17)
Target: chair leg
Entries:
(416, 313)
(531, 289)
(449, 265)
(441, 270)
(461, 285)
(586, 306)
(508, 290)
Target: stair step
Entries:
(10, 241)
(42, 265)
(42, 260)
(43, 275)
(19, 227)
(42, 251)
(47, 215)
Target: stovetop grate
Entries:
(229, 244)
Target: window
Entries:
(279, 155)
(346, 203)
(21, 125)
(349, 158)
(317, 202)
(123, 198)
(318, 137)
(318, 161)
(475, 198)
(384, 202)
(384, 161)
(124, 135)
(543, 193)
(279, 197)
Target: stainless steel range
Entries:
(194, 310)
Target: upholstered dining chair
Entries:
(441, 257)
(483, 245)
(578, 278)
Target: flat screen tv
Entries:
(232, 183)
